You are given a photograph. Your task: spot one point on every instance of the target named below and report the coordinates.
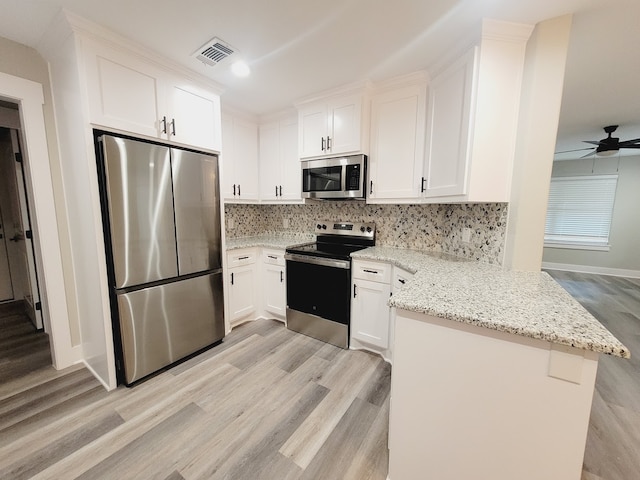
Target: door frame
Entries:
(30, 99)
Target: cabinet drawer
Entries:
(237, 258)
(373, 271)
(400, 278)
(273, 257)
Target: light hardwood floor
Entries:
(613, 442)
(266, 404)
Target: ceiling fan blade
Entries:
(592, 142)
(589, 154)
(629, 142)
(629, 146)
(576, 150)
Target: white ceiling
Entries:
(298, 47)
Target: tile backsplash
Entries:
(431, 227)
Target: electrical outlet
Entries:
(466, 235)
(285, 222)
(231, 223)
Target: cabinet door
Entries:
(291, 181)
(194, 117)
(241, 292)
(227, 173)
(345, 118)
(370, 313)
(274, 289)
(123, 94)
(448, 129)
(397, 143)
(270, 167)
(313, 130)
(245, 158)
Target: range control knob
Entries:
(324, 227)
(368, 229)
(318, 226)
(362, 229)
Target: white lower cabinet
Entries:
(371, 288)
(241, 284)
(274, 283)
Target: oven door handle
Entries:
(326, 262)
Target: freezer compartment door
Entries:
(161, 325)
(197, 209)
(140, 201)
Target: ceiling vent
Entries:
(214, 51)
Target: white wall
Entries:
(537, 129)
(623, 258)
(24, 62)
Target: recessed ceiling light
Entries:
(240, 69)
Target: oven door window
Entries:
(319, 290)
(322, 179)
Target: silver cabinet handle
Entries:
(355, 294)
(322, 143)
(238, 189)
(281, 276)
(280, 190)
(328, 142)
(276, 190)
(164, 124)
(173, 127)
(234, 189)
(231, 278)
(371, 187)
(422, 189)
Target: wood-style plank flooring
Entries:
(613, 442)
(266, 404)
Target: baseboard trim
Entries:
(614, 272)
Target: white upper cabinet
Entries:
(397, 142)
(279, 164)
(333, 126)
(128, 94)
(472, 119)
(449, 118)
(195, 116)
(239, 159)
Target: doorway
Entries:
(18, 275)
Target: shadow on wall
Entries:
(431, 227)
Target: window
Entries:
(579, 211)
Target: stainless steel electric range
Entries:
(319, 280)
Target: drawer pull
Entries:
(370, 271)
(231, 278)
(402, 281)
(272, 256)
(281, 276)
(242, 258)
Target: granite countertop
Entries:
(269, 240)
(530, 304)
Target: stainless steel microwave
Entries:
(338, 178)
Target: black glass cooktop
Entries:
(328, 250)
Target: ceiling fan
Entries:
(607, 146)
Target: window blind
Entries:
(580, 209)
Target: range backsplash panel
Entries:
(431, 227)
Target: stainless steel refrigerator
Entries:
(161, 210)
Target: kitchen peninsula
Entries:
(493, 372)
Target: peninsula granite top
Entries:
(530, 304)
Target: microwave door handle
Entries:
(343, 178)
